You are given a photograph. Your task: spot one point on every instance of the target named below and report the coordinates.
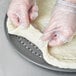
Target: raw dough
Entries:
(63, 56)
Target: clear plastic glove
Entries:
(21, 12)
(62, 26)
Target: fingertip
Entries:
(33, 15)
(35, 7)
(56, 42)
(34, 12)
(52, 43)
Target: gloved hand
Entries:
(62, 26)
(21, 12)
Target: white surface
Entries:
(11, 64)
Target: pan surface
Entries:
(34, 56)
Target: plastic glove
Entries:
(62, 25)
(21, 12)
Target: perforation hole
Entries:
(35, 46)
(33, 52)
(26, 47)
(19, 38)
(30, 43)
(40, 55)
(30, 49)
(36, 53)
(22, 42)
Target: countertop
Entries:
(11, 64)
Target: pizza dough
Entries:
(63, 56)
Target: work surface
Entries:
(11, 64)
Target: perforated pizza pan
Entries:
(30, 52)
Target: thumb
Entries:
(34, 12)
